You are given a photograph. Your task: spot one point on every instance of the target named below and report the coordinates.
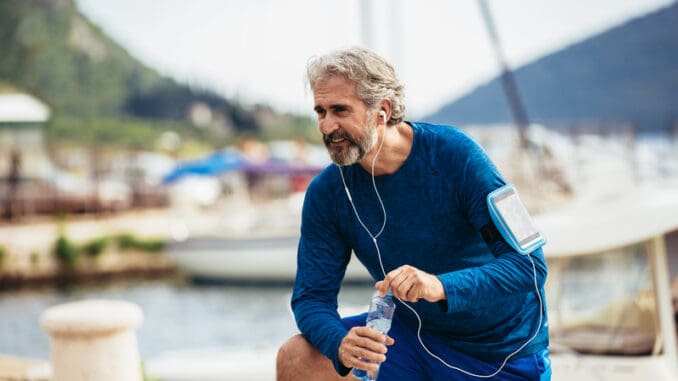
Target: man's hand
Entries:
(363, 344)
(411, 284)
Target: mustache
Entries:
(327, 139)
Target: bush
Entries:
(66, 252)
(151, 245)
(125, 241)
(128, 241)
(95, 247)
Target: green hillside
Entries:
(54, 53)
(100, 94)
(628, 74)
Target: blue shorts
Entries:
(407, 360)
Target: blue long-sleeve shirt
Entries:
(436, 205)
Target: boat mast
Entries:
(508, 82)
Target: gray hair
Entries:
(374, 77)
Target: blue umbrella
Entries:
(212, 165)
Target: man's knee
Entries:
(293, 353)
(291, 349)
(299, 360)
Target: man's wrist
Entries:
(441, 295)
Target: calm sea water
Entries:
(177, 316)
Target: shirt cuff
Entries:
(338, 366)
(451, 302)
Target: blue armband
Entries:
(513, 221)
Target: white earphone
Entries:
(383, 115)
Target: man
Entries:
(410, 200)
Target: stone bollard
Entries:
(94, 340)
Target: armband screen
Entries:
(513, 221)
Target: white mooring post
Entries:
(94, 340)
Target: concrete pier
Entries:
(23, 369)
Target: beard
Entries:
(357, 148)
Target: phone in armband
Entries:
(513, 221)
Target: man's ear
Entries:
(385, 108)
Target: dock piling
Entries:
(94, 340)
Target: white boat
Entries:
(611, 308)
(254, 260)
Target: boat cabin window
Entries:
(603, 303)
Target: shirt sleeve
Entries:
(510, 272)
(322, 258)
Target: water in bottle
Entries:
(379, 317)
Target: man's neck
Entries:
(395, 150)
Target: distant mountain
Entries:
(628, 74)
(52, 51)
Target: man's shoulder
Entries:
(328, 177)
(440, 131)
(323, 193)
(446, 137)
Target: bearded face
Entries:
(345, 149)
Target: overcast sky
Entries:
(256, 50)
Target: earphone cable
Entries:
(374, 238)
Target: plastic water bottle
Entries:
(379, 317)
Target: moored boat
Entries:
(253, 260)
(611, 269)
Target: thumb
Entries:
(381, 287)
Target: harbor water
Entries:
(178, 316)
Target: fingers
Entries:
(382, 287)
(363, 348)
(411, 284)
(371, 340)
(364, 365)
(404, 283)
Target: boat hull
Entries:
(264, 260)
